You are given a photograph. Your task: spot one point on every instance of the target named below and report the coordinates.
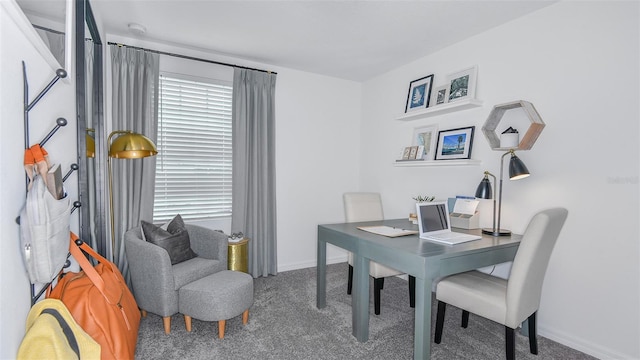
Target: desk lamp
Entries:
(128, 145)
(517, 170)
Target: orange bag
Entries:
(101, 303)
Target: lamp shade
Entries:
(132, 145)
(484, 189)
(517, 169)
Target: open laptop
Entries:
(434, 224)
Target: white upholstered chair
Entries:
(507, 302)
(363, 206)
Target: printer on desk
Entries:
(464, 214)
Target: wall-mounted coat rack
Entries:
(60, 122)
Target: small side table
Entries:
(238, 255)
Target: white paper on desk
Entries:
(465, 206)
(388, 231)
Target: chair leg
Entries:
(221, 325)
(378, 284)
(442, 307)
(187, 322)
(533, 341)
(510, 340)
(412, 291)
(245, 317)
(350, 280)
(465, 319)
(166, 321)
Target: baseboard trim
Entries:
(579, 344)
(312, 263)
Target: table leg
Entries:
(360, 298)
(321, 274)
(422, 334)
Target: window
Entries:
(194, 163)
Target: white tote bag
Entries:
(44, 232)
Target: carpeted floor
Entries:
(284, 324)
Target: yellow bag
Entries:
(52, 333)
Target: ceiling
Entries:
(354, 40)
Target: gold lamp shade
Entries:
(128, 145)
(131, 145)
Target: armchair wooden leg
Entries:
(221, 325)
(143, 313)
(510, 340)
(378, 284)
(166, 321)
(187, 322)
(350, 280)
(533, 341)
(412, 291)
(442, 307)
(245, 317)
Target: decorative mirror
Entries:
(91, 154)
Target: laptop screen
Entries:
(433, 217)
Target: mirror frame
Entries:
(84, 18)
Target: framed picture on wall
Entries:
(419, 94)
(455, 143)
(440, 95)
(462, 84)
(426, 137)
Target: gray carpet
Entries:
(284, 323)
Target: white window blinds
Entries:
(194, 163)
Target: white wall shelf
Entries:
(420, 163)
(441, 109)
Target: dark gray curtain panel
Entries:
(254, 168)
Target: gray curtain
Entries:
(135, 77)
(254, 170)
(55, 43)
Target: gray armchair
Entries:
(156, 282)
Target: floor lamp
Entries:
(517, 170)
(128, 145)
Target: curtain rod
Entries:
(191, 58)
(47, 29)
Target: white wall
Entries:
(317, 159)
(16, 47)
(578, 64)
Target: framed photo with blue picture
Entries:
(455, 143)
(419, 94)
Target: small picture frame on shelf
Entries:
(462, 84)
(455, 143)
(439, 95)
(419, 94)
(413, 152)
(426, 137)
(406, 152)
